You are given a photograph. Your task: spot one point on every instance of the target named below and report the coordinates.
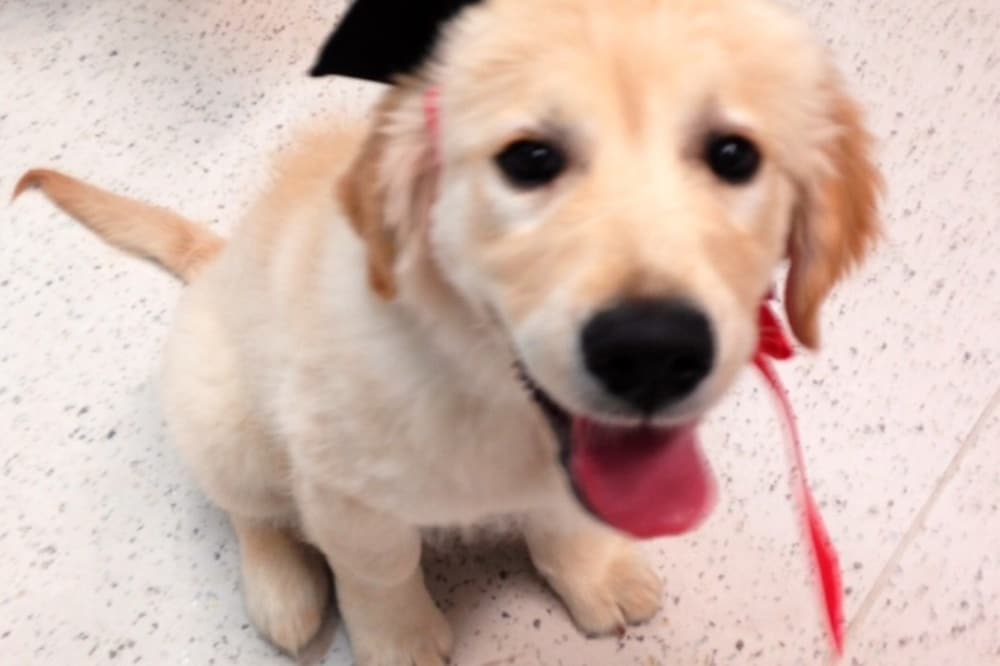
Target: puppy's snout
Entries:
(649, 353)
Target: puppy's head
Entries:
(615, 183)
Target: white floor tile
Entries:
(941, 604)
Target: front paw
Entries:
(606, 594)
(407, 630)
(423, 639)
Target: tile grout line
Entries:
(917, 525)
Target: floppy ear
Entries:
(389, 189)
(836, 222)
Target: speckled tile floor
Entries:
(111, 555)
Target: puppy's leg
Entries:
(387, 610)
(286, 586)
(244, 471)
(603, 578)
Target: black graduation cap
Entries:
(381, 39)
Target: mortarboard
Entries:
(379, 40)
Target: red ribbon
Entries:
(775, 345)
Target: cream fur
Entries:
(340, 374)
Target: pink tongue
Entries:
(646, 482)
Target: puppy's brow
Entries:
(711, 118)
(629, 90)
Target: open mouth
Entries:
(645, 480)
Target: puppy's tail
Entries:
(175, 243)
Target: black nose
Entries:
(649, 353)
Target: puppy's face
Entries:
(615, 183)
(620, 181)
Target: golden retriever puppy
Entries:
(523, 313)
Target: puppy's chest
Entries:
(441, 459)
(490, 467)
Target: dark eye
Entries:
(732, 158)
(530, 164)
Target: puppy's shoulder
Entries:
(285, 239)
(312, 163)
(298, 208)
